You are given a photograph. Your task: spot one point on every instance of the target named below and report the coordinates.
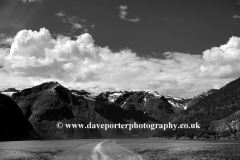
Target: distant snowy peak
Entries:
(9, 92)
(143, 90)
(122, 96)
(85, 94)
(178, 98)
(187, 102)
(179, 102)
(112, 96)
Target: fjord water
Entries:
(148, 149)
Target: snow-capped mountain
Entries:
(187, 102)
(113, 96)
(179, 102)
(136, 99)
(52, 102)
(84, 94)
(9, 92)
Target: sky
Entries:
(176, 47)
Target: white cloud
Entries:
(35, 57)
(60, 14)
(5, 40)
(123, 13)
(236, 16)
(8, 80)
(134, 20)
(77, 26)
(75, 22)
(223, 61)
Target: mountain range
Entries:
(44, 105)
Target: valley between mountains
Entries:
(33, 113)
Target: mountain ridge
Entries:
(46, 104)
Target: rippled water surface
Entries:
(155, 149)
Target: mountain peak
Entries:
(51, 83)
(10, 90)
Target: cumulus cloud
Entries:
(5, 41)
(35, 57)
(123, 13)
(223, 61)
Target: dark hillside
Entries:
(14, 126)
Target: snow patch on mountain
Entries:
(123, 104)
(114, 96)
(8, 93)
(179, 102)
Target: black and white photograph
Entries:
(119, 79)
